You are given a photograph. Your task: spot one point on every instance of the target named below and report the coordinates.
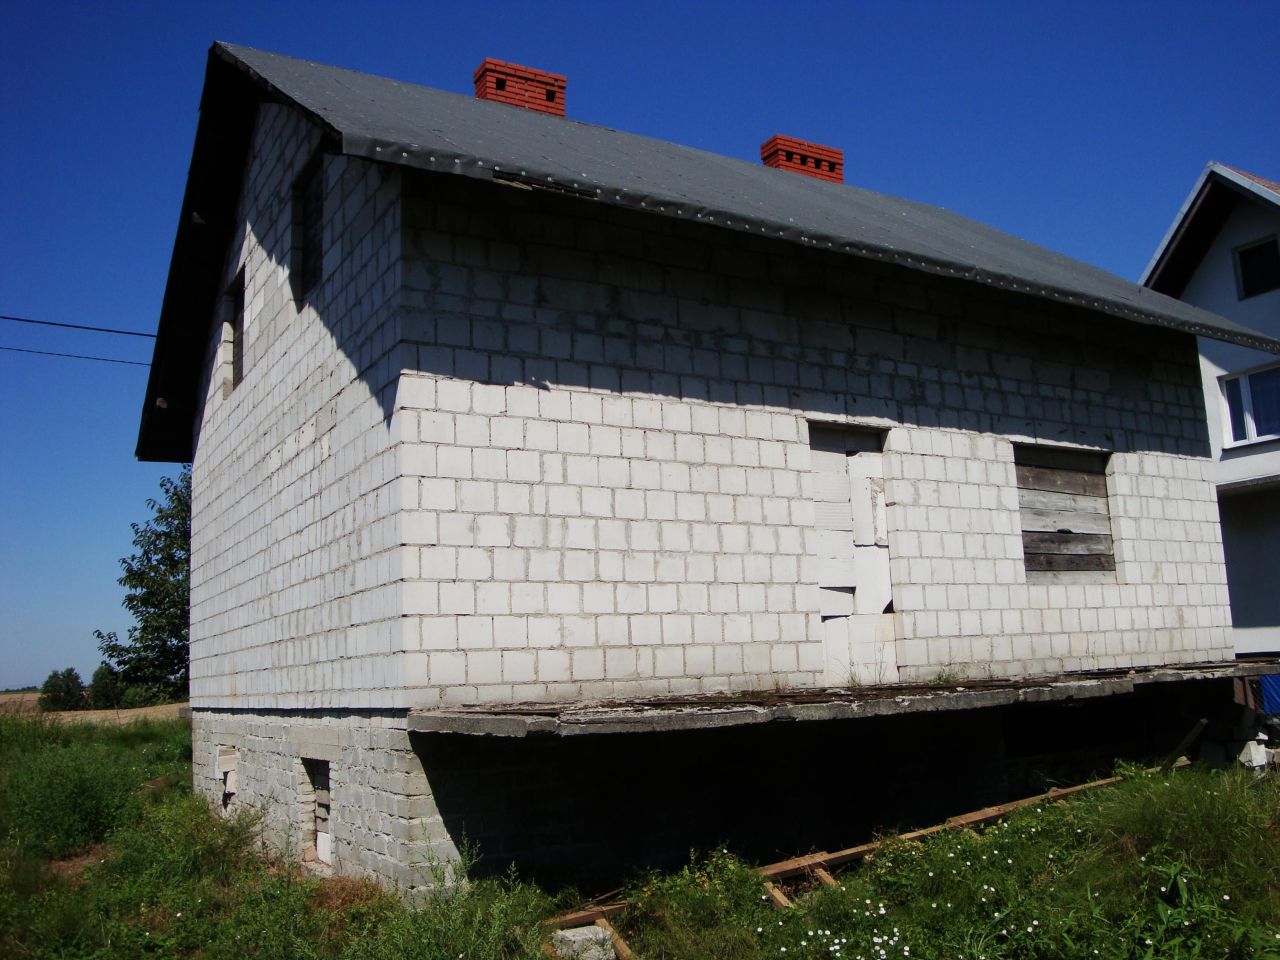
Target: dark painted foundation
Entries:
(593, 810)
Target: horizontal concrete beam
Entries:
(707, 712)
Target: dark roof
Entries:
(419, 127)
(1215, 195)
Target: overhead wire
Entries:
(78, 326)
(76, 356)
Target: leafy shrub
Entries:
(64, 798)
(62, 690)
(138, 695)
(105, 689)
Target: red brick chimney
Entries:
(520, 86)
(811, 159)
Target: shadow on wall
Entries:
(503, 286)
(594, 811)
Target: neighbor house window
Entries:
(308, 228)
(1062, 500)
(1258, 267)
(849, 514)
(1253, 404)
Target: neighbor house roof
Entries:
(400, 123)
(1215, 195)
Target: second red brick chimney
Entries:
(800, 156)
(520, 86)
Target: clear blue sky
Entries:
(1079, 126)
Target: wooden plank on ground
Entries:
(620, 948)
(581, 918)
(825, 877)
(776, 896)
(1061, 481)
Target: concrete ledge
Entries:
(657, 715)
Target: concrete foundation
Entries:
(591, 810)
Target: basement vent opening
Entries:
(227, 771)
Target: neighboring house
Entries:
(1222, 253)
(489, 406)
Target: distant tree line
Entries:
(150, 665)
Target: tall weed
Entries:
(61, 799)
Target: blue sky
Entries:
(1078, 126)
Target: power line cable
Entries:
(77, 356)
(78, 326)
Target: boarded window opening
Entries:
(227, 771)
(1066, 521)
(320, 839)
(849, 513)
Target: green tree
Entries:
(105, 689)
(62, 690)
(154, 656)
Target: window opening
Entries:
(236, 331)
(1258, 267)
(308, 228)
(321, 840)
(1062, 500)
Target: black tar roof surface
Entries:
(420, 127)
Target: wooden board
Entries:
(1059, 521)
(1068, 561)
(779, 899)
(1079, 543)
(1061, 458)
(1067, 502)
(1062, 481)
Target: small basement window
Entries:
(849, 513)
(1253, 404)
(1062, 500)
(1258, 267)
(320, 845)
(308, 228)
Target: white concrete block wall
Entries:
(516, 447)
(606, 473)
(294, 548)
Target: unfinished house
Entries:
(513, 434)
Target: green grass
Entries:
(1179, 866)
(1185, 865)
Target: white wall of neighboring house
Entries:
(1248, 473)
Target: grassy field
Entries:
(104, 853)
